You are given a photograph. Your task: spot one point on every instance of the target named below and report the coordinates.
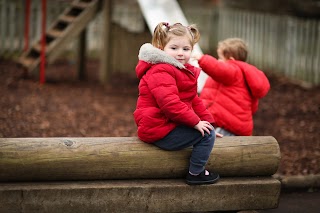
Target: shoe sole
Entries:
(202, 182)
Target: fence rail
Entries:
(277, 43)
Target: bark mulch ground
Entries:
(65, 107)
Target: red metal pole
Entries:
(43, 43)
(26, 25)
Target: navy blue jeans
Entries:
(182, 137)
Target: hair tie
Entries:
(189, 29)
(165, 25)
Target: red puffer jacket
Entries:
(167, 95)
(231, 93)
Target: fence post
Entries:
(43, 43)
(106, 37)
(26, 25)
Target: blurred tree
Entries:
(306, 8)
(302, 8)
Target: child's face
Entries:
(180, 48)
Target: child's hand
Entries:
(204, 126)
(197, 56)
(219, 135)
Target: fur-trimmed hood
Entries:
(153, 55)
(150, 55)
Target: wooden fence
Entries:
(277, 43)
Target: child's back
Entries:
(232, 91)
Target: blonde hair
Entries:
(163, 32)
(234, 47)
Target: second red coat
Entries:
(232, 92)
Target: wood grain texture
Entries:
(150, 195)
(29, 159)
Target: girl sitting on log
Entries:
(169, 113)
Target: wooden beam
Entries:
(29, 159)
(167, 195)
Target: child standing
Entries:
(169, 114)
(233, 88)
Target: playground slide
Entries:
(168, 11)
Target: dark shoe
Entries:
(202, 178)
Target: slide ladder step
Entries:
(69, 24)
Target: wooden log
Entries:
(29, 159)
(151, 195)
(299, 181)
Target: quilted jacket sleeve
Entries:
(223, 72)
(202, 111)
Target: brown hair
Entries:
(163, 33)
(234, 47)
